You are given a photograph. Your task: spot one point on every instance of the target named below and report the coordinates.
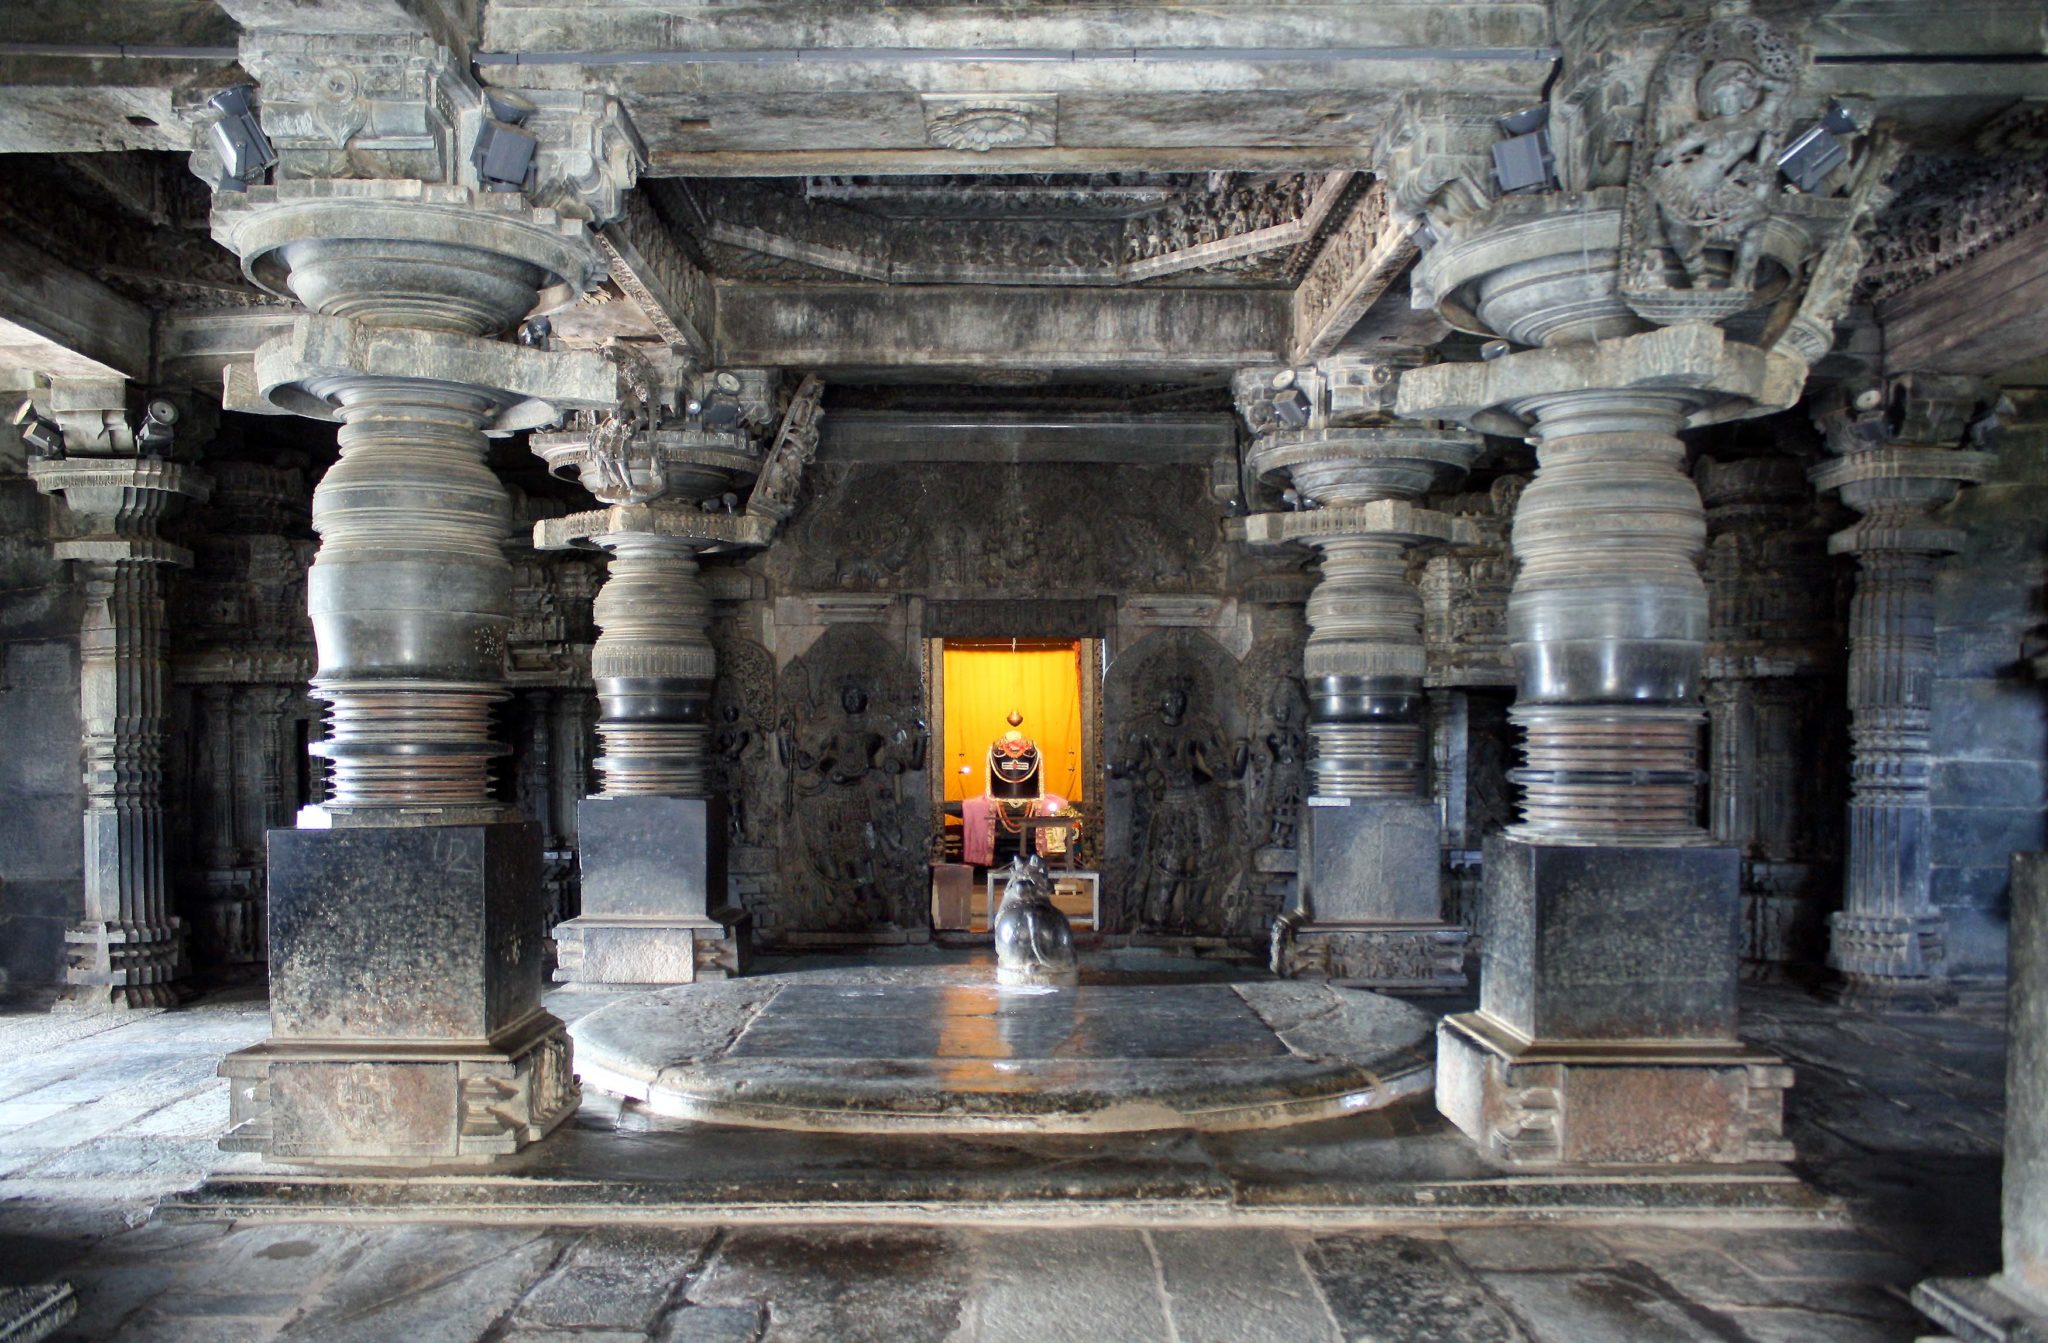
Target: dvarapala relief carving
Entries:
(851, 746)
(1177, 749)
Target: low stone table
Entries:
(936, 1057)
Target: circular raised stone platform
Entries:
(843, 1054)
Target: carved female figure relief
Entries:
(1704, 174)
(1174, 760)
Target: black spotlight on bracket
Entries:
(245, 152)
(159, 426)
(535, 332)
(1523, 161)
(1291, 405)
(503, 153)
(44, 436)
(1819, 150)
(719, 409)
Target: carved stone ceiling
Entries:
(1180, 229)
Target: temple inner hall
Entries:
(783, 670)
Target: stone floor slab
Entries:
(1404, 1287)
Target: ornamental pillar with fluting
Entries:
(1370, 899)
(652, 841)
(1897, 454)
(1647, 272)
(405, 910)
(128, 948)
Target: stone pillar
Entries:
(1641, 212)
(1771, 643)
(1896, 458)
(652, 840)
(2012, 1306)
(405, 933)
(127, 950)
(1371, 889)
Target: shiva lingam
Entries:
(1034, 943)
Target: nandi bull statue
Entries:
(1034, 944)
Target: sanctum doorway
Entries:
(1015, 732)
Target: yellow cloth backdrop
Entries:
(983, 685)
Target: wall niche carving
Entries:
(1176, 851)
(851, 745)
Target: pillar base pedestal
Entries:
(114, 967)
(1412, 957)
(604, 950)
(654, 895)
(1884, 993)
(1609, 1103)
(405, 1014)
(1980, 1310)
(389, 1103)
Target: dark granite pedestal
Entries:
(1371, 899)
(654, 895)
(1605, 1033)
(2012, 1306)
(406, 1023)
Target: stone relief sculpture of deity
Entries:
(1704, 174)
(1279, 766)
(1175, 759)
(742, 732)
(857, 857)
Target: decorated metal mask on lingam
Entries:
(1014, 773)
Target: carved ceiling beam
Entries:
(63, 323)
(1981, 317)
(968, 330)
(645, 262)
(1366, 254)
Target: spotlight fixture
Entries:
(503, 153)
(44, 436)
(1819, 150)
(535, 332)
(1425, 235)
(1523, 162)
(719, 408)
(1494, 349)
(1293, 407)
(158, 427)
(245, 152)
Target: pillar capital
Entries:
(1903, 446)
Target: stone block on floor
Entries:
(1610, 943)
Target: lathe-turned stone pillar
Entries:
(1644, 256)
(128, 949)
(1370, 909)
(652, 841)
(405, 918)
(1897, 456)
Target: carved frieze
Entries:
(1057, 529)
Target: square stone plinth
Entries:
(1621, 944)
(1644, 1104)
(404, 933)
(654, 895)
(1374, 860)
(405, 975)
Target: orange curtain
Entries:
(984, 685)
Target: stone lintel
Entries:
(531, 386)
(1000, 438)
(1981, 1310)
(1732, 380)
(839, 330)
(62, 322)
